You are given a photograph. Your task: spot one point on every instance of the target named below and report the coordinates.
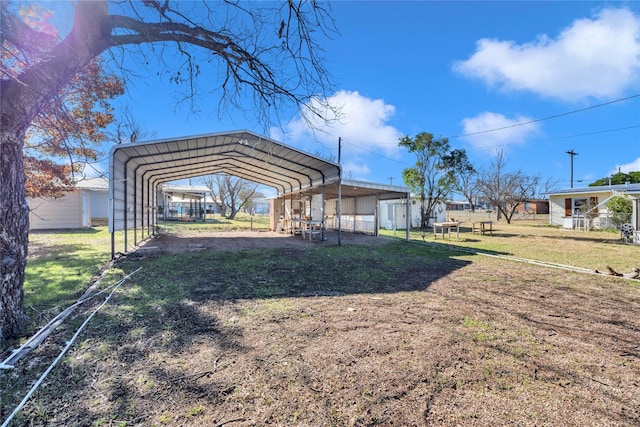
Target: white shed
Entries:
(393, 213)
(87, 205)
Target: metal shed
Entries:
(137, 169)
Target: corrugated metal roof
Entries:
(99, 184)
(239, 153)
(628, 188)
(137, 169)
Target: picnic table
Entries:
(482, 227)
(446, 226)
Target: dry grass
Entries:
(396, 334)
(536, 240)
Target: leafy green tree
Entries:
(429, 178)
(618, 179)
(263, 51)
(620, 209)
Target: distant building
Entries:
(393, 214)
(458, 206)
(194, 201)
(533, 206)
(586, 207)
(185, 201)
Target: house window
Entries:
(580, 206)
(584, 205)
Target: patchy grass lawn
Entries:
(396, 334)
(539, 241)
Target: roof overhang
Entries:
(620, 188)
(356, 188)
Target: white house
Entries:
(87, 205)
(586, 207)
(393, 213)
(180, 201)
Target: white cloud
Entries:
(355, 170)
(362, 124)
(597, 58)
(490, 131)
(627, 167)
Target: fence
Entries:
(468, 216)
(350, 223)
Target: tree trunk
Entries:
(21, 101)
(14, 228)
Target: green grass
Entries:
(217, 223)
(485, 340)
(60, 273)
(58, 277)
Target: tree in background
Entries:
(230, 192)
(258, 51)
(620, 209)
(506, 190)
(429, 178)
(250, 198)
(462, 175)
(618, 179)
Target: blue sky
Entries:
(461, 70)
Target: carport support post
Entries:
(322, 216)
(408, 215)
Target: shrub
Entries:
(620, 209)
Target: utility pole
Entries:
(572, 154)
(390, 180)
(339, 191)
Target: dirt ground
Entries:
(437, 341)
(237, 240)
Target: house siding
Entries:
(65, 212)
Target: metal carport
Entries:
(137, 169)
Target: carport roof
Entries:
(240, 153)
(137, 169)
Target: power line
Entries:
(549, 117)
(596, 132)
(374, 153)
